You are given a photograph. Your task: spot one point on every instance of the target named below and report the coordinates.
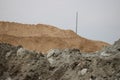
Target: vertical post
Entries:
(76, 21)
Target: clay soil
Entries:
(43, 37)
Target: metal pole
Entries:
(76, 21)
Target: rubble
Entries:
(17, 63)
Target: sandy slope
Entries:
(39, 30)
(44, 37)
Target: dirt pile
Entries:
(45, 37)
(17, 63)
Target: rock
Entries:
(53, 52)
(8, 78)
(83, 71)
(21, 52)
(104, 54)
(8, 54)
(51, 60)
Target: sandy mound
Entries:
(44, 37)
(39, 30)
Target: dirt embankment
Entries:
(45, 37)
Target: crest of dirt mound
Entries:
(43, 37)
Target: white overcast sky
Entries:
(98, 19)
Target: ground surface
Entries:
(45, 37)
(17, 63)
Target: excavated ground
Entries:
(17, 63)
(42, 37)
